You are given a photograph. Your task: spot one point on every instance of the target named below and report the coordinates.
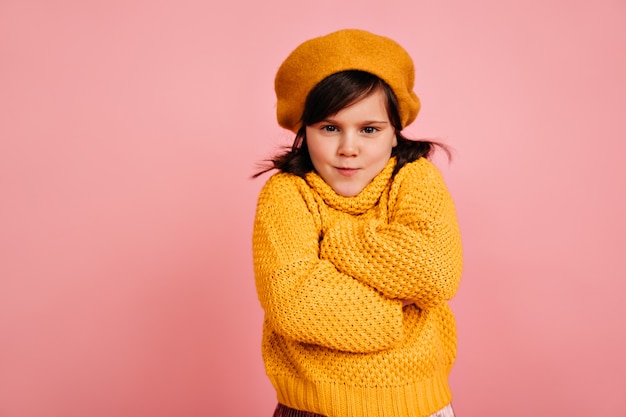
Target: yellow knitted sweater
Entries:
(331, 272)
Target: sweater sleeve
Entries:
(416, 253)
(305, 298)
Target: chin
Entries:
(348, 192)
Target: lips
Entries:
(347, 172)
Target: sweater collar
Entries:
(360, 203)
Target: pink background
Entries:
(128, 131)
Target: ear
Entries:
(395, 140)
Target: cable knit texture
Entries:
(331, 272)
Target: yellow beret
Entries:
(348, 49)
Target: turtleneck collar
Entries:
(360, 203)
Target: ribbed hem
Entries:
(336, 400)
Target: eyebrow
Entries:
(367, 122)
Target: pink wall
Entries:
(128, 130)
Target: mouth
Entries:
(347, 172)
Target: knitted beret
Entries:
(348, 49)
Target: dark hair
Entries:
(330, 96)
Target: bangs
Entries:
(339, 90)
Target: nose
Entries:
(348, 145)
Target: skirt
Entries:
(284, 411)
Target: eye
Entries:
(370, 129)
(329, 128)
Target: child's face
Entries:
(350, 148)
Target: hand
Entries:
(407, 302)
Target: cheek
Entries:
(316, 151)
(386, 145)
(317, 146)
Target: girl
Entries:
(356, 244)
